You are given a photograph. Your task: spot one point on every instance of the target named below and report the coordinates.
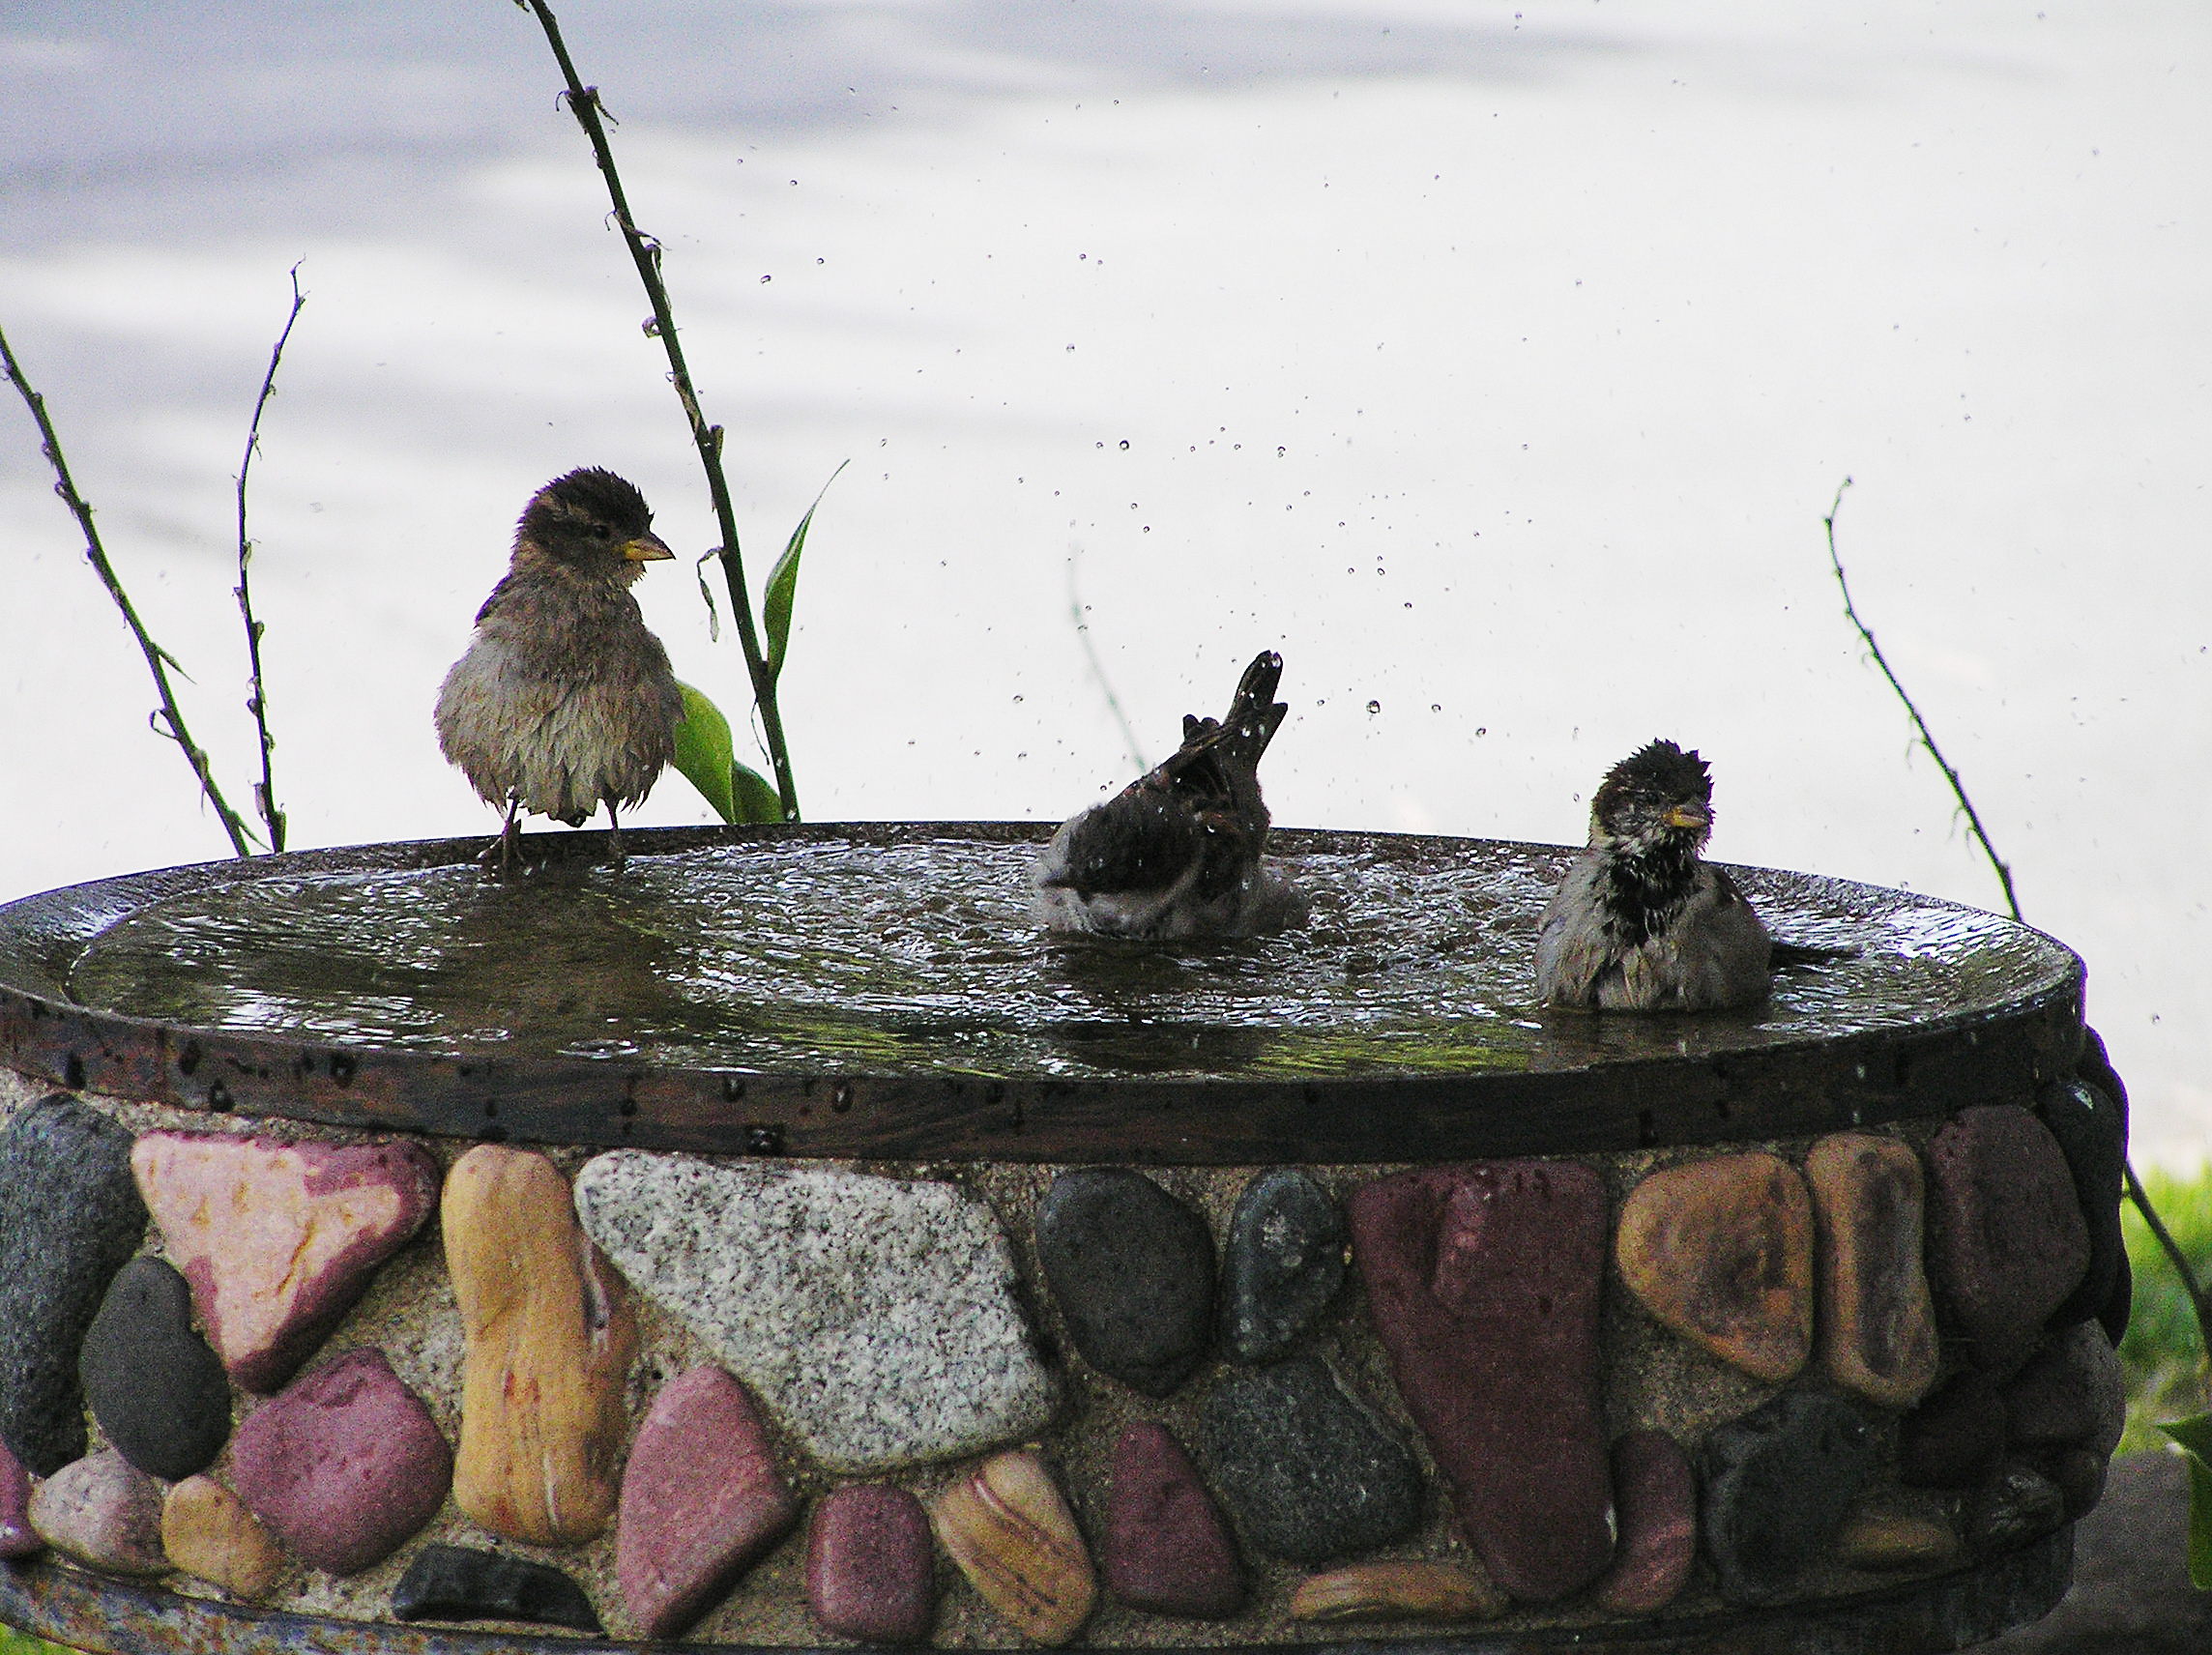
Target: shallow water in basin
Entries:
(838, 956)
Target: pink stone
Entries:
(344, 1464)
(278, 1239)
(869, 1565)
(1168, 1548)
(701, 1501)
(1656, 1494)
(105, 1513)
(1483, 1284)
(18, 1538)
(2007, 1241)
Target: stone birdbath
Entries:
(775, 1243)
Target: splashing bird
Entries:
(1176, 854)
(1640, 923)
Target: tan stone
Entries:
(1894, 1534)
(209, 1534)
(1877, 1322)
(550, 1337)
(1721, 1251)
(1014, 1538)
(1398, 1592)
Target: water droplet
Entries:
(1279, 452)
(1017, 701)
(1124, 442)
(1374, 707)
(1436, 706)
(1482, 730)
(765, 280)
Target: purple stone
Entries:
(1168, 1548)
(869, 1565)
(701, 1501)
(2008, 1244)
(344, 1464)
(1656, 1494)
(1483, 1284)
(18, 1538)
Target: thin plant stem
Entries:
(169, 719)
(2199, 1301)
(257, 703)
(1927, 736)
(1097, 666)
(644, 252)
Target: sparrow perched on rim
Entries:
(563, 701)
(1176, 854)
(1640, 923)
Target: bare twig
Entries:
(257, 703)
(644, 252)
(2199, 1301)
(169, 719)
(1097, 666)
(1927, 736)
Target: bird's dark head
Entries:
(592, 520)
(1657, 797)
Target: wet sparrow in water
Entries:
(1176, 854)
(563, 701)
(1640, 923)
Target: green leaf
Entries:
(2195, 1435)
(703, 752)
(783, 589)
(757, 798)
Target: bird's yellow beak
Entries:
(1689, 816)
(647, 548)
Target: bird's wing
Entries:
(1141, 839)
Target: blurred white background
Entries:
(1495, 362)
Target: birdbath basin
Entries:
(1569, 1290)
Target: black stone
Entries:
(2119, 1303)
(2096, 1068)
(69, 1218)
(1132, 1269)
(1308, 1472)
(1285, 1262)
(160, 1394)
(1776, 1486)
(2016, 1505)
(459, 1583)
(1955, 1438)
(2092, 1133)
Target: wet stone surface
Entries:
(73, 1219)
(1655, 1501)
(1168, 1549)
(460, 1583)
(2072, 1394)
(2008, 1244)
(869, 1565)
(1721, 1251)
(876, 1317)
(1309, 1474)
(280, 1239)
(209, 1534)
(105, 1513)
(159, 1393)
(550, 1337)
(2092, 1133)
(344, 1464)
(1284, 1264)
(1131, 1268)
(2012, 1509)
(18, 1538)
(1778, 1485)
(701, 1501)
(1878, 1320)
(1955, 1438)
(1411, 1590)
(1483, 1284)
(1008, 1528)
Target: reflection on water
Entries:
(836, 956)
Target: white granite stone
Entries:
(875, 1317)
